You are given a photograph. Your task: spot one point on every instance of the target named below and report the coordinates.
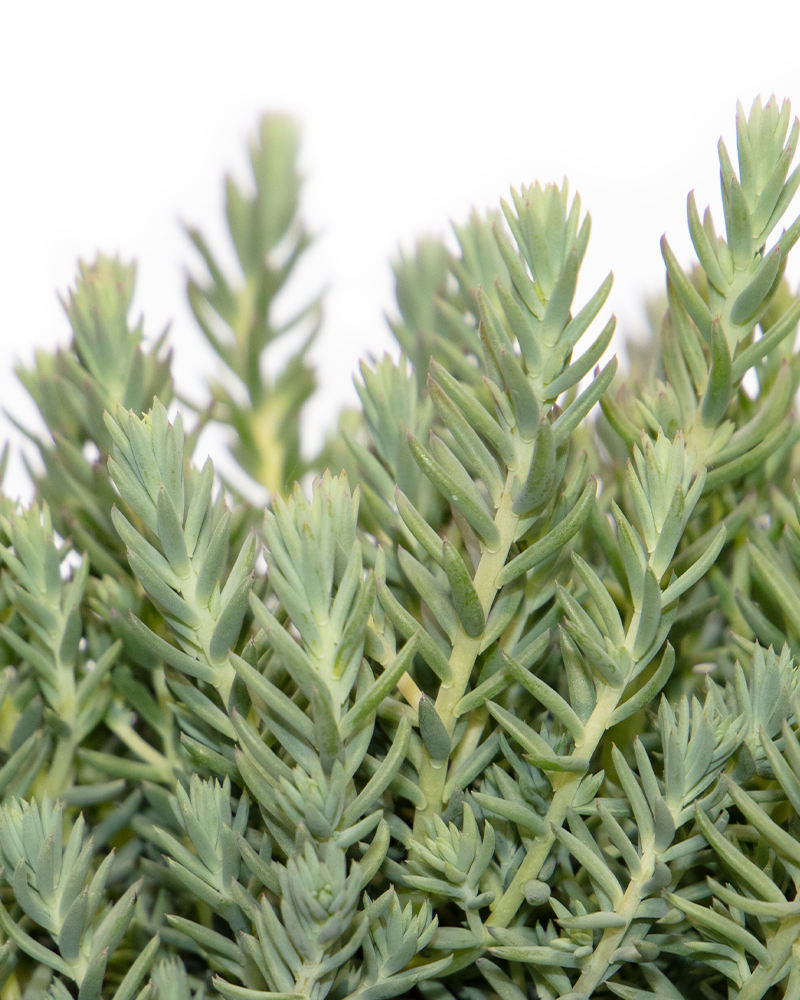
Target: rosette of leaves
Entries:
(757, 701)
(451, 863)
(400, 933)
(237, 316)
(205, 817)
(56, 888)
(315, 568)
(318, 905)
(307, 947)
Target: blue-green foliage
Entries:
(509, 708)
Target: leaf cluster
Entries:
(505, 703)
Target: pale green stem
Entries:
(565, 785)
(467, 745)
(433, 774)
(224, 682)
(225, 674)
(141, 747)
(60, 775)
(169, 743)
(307, 979)
(595, 972)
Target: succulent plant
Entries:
(505, 703)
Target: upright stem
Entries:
(595, 972)
(433, 774)
(597, 968)
(565, 785)
(60, 776)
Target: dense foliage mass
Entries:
(507, 708)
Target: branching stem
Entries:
(565, 785)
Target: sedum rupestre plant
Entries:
(504, 704)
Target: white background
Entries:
(120, 119)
